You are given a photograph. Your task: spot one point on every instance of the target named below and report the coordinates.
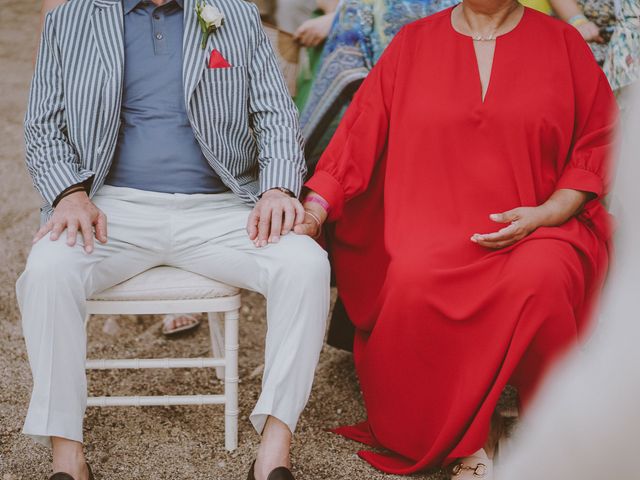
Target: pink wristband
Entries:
(320, 201)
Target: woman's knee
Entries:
(548, 269)
(410, 275)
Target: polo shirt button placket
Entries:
(160, 42)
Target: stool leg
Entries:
(231, 380)
(217, 340)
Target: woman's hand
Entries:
(590, 32)
(315, 216)
(522, 222)
(561, 206)
(315, 31)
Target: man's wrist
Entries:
(282, 190)
(78, 187)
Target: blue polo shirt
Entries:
(157, 149)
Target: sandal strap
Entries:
(171, 317)
(480, 470)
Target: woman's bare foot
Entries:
(496, 432)
(174, 323)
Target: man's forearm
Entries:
(51, 159)
(78, 187)
(274, 119)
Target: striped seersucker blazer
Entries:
(242, 117)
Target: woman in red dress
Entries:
(470, 242)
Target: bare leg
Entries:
(274, 448)
(495, 434)
(68, 457)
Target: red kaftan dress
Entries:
(416, 167)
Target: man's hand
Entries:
(74, 213)
(523, 221)
(275, 214)
(315, 31)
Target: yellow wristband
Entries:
(578, 20)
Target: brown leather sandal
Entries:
(475, 467)
(280, 473)
(66, 476)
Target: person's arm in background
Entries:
(316, 30)
(47, 6)
(570, 12)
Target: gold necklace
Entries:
(478, 37)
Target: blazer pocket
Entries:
(222, 102)
(229, 74)
(225, 89)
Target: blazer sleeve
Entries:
(589, 166)
(274, 119)
(51, 159)
(346, 167)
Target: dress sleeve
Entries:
(346, 167)
(589, 164)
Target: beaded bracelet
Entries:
(317, 220)
(320, 201)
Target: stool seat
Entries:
(166, 283)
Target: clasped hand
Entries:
(275, 215)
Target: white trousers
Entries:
(204, 234)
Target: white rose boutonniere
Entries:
(210, 19)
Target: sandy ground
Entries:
(153, 442)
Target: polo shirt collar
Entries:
(128, 5)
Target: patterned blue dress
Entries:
(361, 31)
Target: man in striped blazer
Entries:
(164, 129)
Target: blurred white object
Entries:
(287, 51)
(111, 327)
(586, 423)
(290, 14)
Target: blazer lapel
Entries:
(194, 57)
(107, 24)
